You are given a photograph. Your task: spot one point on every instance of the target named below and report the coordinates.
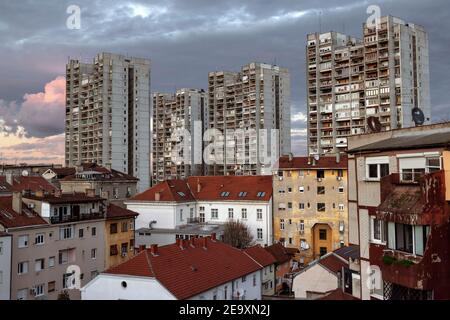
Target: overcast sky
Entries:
(185, 39)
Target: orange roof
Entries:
(191, 270)
(263, 257)
(333, 263)
(323, 163)
(12, 219)
(211, 188)
(279, 252)
(22, 183)
(114, 211)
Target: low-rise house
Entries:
(267, 261)
(30, 185)
(61, 250)
(323, 275)
(196, 269)
(5, 265)
(283, 266)
(108, 183)
(119, 235)
(190, 207)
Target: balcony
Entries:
(76, 218)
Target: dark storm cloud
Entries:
(185, 39)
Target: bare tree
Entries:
(237, 234)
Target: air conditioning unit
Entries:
(31, 206)
(339, 178)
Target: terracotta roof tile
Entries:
(263, 257)
(114, 211)
(338, 294)
(192, 270)
(333, 263)
(279, 252)
(211, 188)
(323, 163)
(33, 184)
(12, 219)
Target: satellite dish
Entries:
(25, 173)
(316, 157)
(418, 116)
(374, 124)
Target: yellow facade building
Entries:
(310, 205)
(119, 235)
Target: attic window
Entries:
(242, 194)
(261, 194)
(225, 194)
(181, 193)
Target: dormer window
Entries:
(242, 194)
(181, 194)
(225, 194)
(260, 194)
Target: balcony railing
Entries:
(81, 217)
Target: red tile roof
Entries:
(263, 257)
(66, 198)
(33, 184)
(4, 186)
(12, 219)
(338, 294)
(192, 270)
(333, 263)
(114, 211)
(323, 163)
(279, 252)
(105, 174)
(211, 188)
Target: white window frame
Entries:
(23, 241)
(23, 269)
(39, 265)
(51, 262)
(214, 214)
(259, 214)
(259, 233)
(39, 290)
(375, 161)
(230, 213)
(39, 236)
(383, 231)
(244, 214)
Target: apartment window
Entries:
(320, 174)
(124, 249)
(125, 226)
(94, 231)
(378, 230)
(301, 206)
(340, 173)
(225, 292)
(433, 164)
(202, 217)
(254, 280)
(94, 254)
(322, 234)
(51, 262)
(377, 167)
(302, 226)
(244, 278)
(113, 251)
(80, 233)
(181, 214)
(63, 256)
(51, 286)
(404, 238)
(244, 213)
(39, 239)
(341, 189)
(259, 214)
(289, 190)
(320, 190)
(281, 224)
(281, 191)
(66, 232)
(214, 214)
(23, 241)
(230, 213)
(341, 207)
(260, 233)
(22, 267)
(191, 213)
(289, 205)
(301, 173)
(131, 244)
(323, 251)
(301, 189)
(113, 228)
(39, 265)
(321, 207)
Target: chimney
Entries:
(157, 196)
(9, 178)
(39, 193)
(178, 242)
(141, 248)
(154, 249)
(213, 236)
(17, 202)
(90, 193)
(58, 193)
(291, 156)
(199, 186)
(205, 243)
(338, 157)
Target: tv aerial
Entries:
(374, 124)
(418, 116)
